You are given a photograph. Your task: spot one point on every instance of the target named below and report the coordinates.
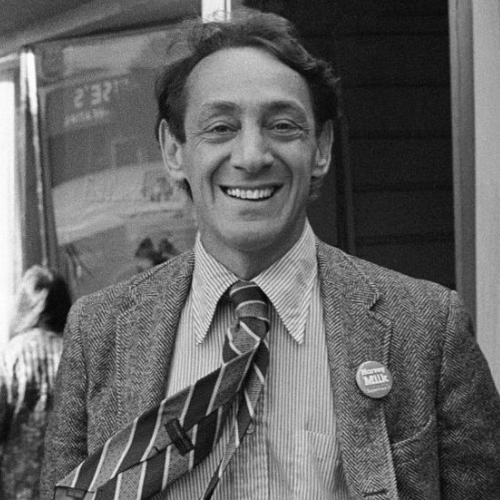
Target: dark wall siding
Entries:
(393, 59)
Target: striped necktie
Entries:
(165, 443)
(249, 333)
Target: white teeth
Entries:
(250, 194)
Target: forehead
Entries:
(241, 78)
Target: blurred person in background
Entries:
(28, 365)
(145, 257)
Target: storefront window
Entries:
(116, 210)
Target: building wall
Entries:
(393, 60)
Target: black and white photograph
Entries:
(250, 250)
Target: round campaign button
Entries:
(374, 379)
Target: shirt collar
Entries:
(288, 284)
(210, 280)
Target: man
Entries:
(375, 387)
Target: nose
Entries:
(251, 151)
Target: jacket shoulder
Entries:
(384, 279)
(396, 295)
(96, 313)
(147, 283)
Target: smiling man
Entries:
(266, 364)
(252, 148)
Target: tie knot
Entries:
(249, 300)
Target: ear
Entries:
(171, 151)
(323, 151)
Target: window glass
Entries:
(116, 210)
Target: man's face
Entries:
(251, 149)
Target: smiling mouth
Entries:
(251, 194)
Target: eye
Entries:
(220, 129)
(286, 129)
(284, 126)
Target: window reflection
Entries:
(110, 191)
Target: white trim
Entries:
(462, 96)
(486, 45)
(215, 10)
(8, 247)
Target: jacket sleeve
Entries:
(66, 437)
(468, 408)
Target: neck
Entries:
(247, 263)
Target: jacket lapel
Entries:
(146, 333)
(357, 332)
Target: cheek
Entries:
(191, 173)
(300, 157)
(302, 170)
(202, 166)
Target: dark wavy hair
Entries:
(264, 31)
(43, 301)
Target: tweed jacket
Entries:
(436, 435)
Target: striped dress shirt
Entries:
(291, 451)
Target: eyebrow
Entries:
(277, 106)
(208, 109)
(220, 107)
